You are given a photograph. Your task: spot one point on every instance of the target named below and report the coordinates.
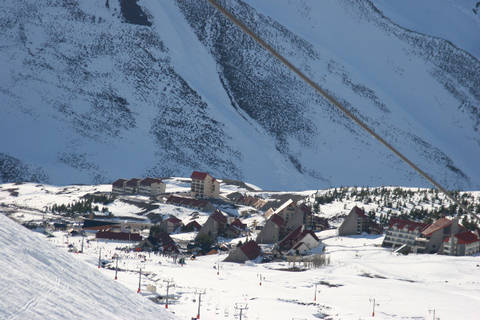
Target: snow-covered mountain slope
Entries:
(40, 281)
(92, 91)
(455, 20)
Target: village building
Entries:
(204, 185)
(294, 215)
(122, 236)
(433, 236)
(115, 224)
(99, 225)
(198, 204)
(248, 251)
(299, 241)
(151, 187)
(268, 213)
(118, 187)
(232, 231)
(192, 226)
(357, 222)
(272, 231)
(245, 200)
(132, 185)
(170, 224)
(403, 232)
(437, 237)
(319, 223)
(215, 225)
(160, 241)
(237, 223)
(465, 243)
(311, 221)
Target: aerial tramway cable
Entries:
(337, 104)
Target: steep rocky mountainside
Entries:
(95, 90)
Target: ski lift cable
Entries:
(337, 104)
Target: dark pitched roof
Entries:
(173, 220)
(89, 223)
(219, 217)
(295, 237)
(132, 182)
(251, 250)
(161, 239)
(358, 211)
(275, 218)
(189, 202)
(411, 225)
(118, 236)
(466, 237)
(237, 223)
(150, 181)
(197, 175)
(291, 237)
(119, 183)
(437, 225)
(193, 224)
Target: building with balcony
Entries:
(151, 187)
(204, 185)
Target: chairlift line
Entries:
(337, 104)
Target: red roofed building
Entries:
(464, 243)
(198, 204)
(437, 232)
(248, 251)
(118, 187)
(402, 231)
(170, 224)
(204, 185)
(131, 186)
(151, 187)
(421, 237)
(273, 230)
(238, 224)
(299, 241)
(357, 222)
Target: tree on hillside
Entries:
(204, 241)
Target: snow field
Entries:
(405, 287)
(40, 281)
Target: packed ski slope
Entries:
(41, 281)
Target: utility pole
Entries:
(372, 300)
(240, 307)
(116, 266)
(139, 280)
(169, 284)
(260, 278)
(433, 311)
(100, 259)
(82, 244)
(199, 292)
